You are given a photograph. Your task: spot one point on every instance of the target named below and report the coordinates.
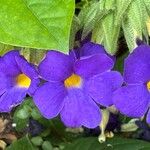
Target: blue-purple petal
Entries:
(49, 98)
(148, 117)
(6, 82)
(137, 65)
(88, 49)
(132, 100)
(79, 109)
(33, 86)
(101, 87)
(11, 98)
(8, 65)
(26, 67)
(56, 66)
(92, 65)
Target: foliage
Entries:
(35, 26)
(106, 19)
(116, 143)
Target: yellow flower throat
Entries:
(73, 81)
(23, 81)
(148, 85)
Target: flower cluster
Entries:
(77, 84)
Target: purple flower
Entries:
(134, 98)
(89, 49)
(73, 87)
(17, 78)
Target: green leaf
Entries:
(119, 65)
(116, 143)
(20, 123)
(111, 30)
(5, 48)
(23, 114)
(122, 6)
(74, 29)
(41, 24)
(134, 24)
(47, 145)
(90, 18)
(130, 34)
(147, 4)
(98, 33)
(111, 33)
(22, 144)
(36, 114)
(106, 31)
(37, 141)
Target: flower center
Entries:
(23, 80)
(73, 81)
(148, 85)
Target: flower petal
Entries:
(80, 109)
(90, 48)
(56, 66)
(132, 100)
(148, 117)
(26, 67)
(11, 98)
(49, 99)
(8, 64)
(89, 66)
(74, 54)
(137, 65)
(101, 87)
(6, 82)
(87, 49)
(34, 85)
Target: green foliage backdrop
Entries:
(43, 24)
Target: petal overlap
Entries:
(79, 109)
(56, 66)
(132, 100)
(137, 65)
(89, 66)
(101, 87)
(49, 98)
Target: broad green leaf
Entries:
(116, 143)
(41, 24)
(22, 144)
